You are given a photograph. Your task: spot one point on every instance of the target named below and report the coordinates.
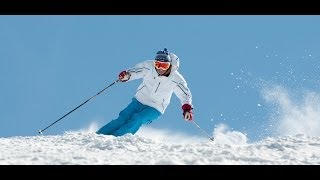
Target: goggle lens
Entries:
(162, 65)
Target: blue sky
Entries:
(51, 64)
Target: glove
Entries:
(124, 76)
(187, 112)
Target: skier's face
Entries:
(162, 72)
(162, 65)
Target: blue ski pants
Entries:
(130, 119)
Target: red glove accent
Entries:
(124, 76)
(187, 108)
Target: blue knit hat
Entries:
(163, 56)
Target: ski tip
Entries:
(40, 131)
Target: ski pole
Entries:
(211, 138)
(41, 131)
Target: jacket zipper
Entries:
(157, 88)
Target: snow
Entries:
(158, 147)
(295, 117)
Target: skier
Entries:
(160, 79)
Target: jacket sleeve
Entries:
(182, 91)
(139, 70)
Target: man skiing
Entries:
(160, 79)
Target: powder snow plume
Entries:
(293, 114)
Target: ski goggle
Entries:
(162, 65)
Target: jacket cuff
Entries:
(187, 107)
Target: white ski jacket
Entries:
(155, 90)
